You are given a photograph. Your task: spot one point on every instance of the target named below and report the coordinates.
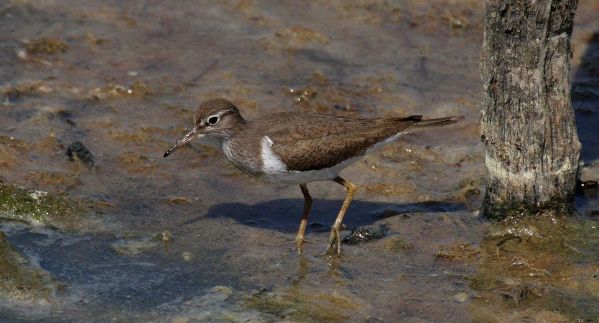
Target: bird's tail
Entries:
(437, 122)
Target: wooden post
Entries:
(527, 126)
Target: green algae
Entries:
(458, 251)
(496, 210)
(468, 192)
(395, 243)
(296, 305)
(34, 207)
(19, 281)
(23, 89)
(548, 232)
(547, 262)
(46, 46)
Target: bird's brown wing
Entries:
(312, 148)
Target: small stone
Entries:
(361, 235)
(78, 152)
(134, 247)
(222, 290)
(22, 54)
(509, 281)
(395, 243)
(37, 194)
(178, 200)
(461, 297)
(186, 255)
(165, 236)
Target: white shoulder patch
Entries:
(271, 163)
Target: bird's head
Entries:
(214, 118)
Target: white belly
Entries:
(290, 178)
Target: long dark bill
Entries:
(188, 137)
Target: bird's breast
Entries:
(243, 156)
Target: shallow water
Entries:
(126, 87)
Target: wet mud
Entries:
(96, 226)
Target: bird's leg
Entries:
(335, 238)
(307, 207)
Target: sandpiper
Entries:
(299, 148)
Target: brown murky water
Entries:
(192, 238)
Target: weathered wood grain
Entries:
(527, 125)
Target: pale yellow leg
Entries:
(299, 240)
(335, 238)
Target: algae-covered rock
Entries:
(302, 35)
(134, 247)
(547, 262)
(12, 92)
(115, 91)
(18, 281)
(296, 306)
(217, 304)
(395, 243)
(131, 245)
(458, 251)
(361, 235)
(78, 152)
(35, 207)
(46, 46)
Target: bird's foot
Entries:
(299, 241)
(334, 242)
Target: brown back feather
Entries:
(326, 145)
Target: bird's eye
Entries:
(212, 120)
